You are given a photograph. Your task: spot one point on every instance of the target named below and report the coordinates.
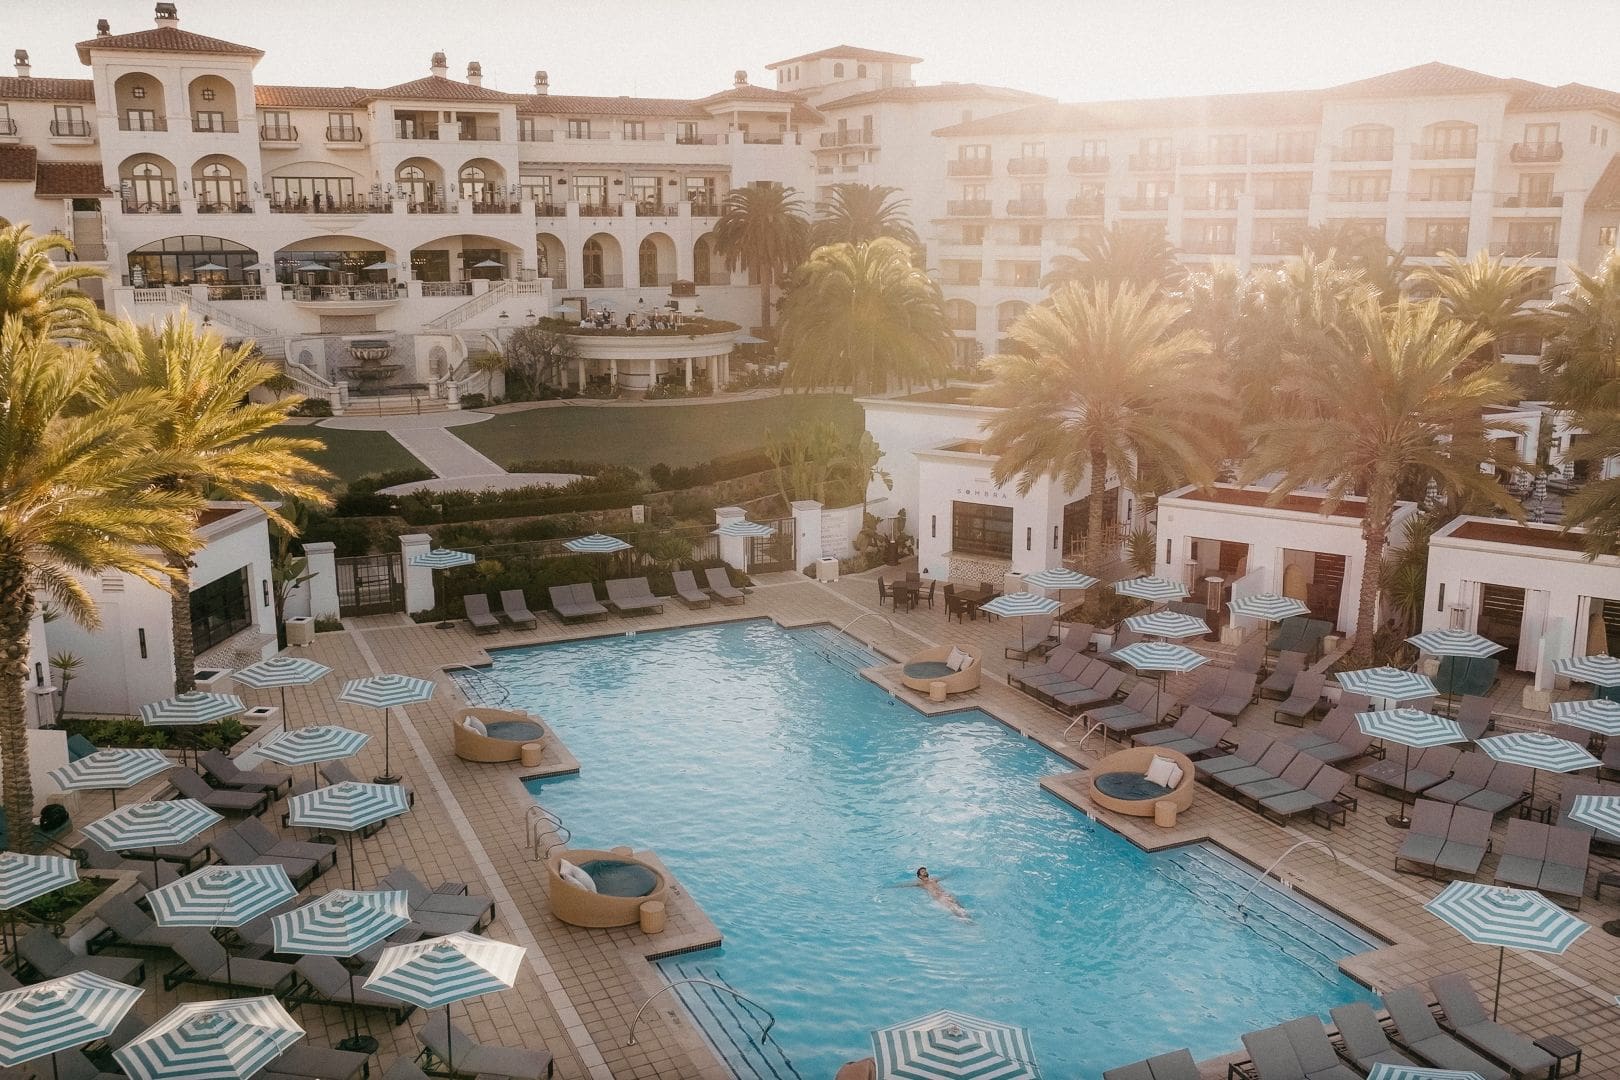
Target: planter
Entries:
(83, 924)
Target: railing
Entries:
(652, 208)
(159, 295)
(538, 822)
(1282, 202)
(705, 209)
(143, 123)
(458, 315)
(1214, 157)
(764, 1031)
(859, 137)
(1153, 162)
(536, 134)
(604, 281)
(446, 288)
(429, 206)
(697, 140)
(278, 134)
(1374, 152)
(968, 207)
(598, 210)
(236, 292)
(134, 206)
(1432, 248)
(1535, 199)
(181, 295)
(1210, 247)
(348, 292)
(1528, 249)
(1018, 281)
(1439, 197)
(1534, 152)
(1283, 157)
(1084, 205)
(1144, 202)
(1027, 166)
(497, 207)
(67, 129)
(648, 281)
(224, 207)
(968, 280)
(1444, 151)
(1359, 196)
(223, 126)
(343, 134)
(8, 126)
(1026, 207)
(412, 135)
(968, 167)
(751, 139)
(1323, 844)
(333, 206)
(1210, 202)
(479, 134)
(550, 210)
(1084, 165)
(588, 135)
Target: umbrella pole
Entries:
(357, 1043)
(353, 884)
(450, 1042)
(285, 726)
(387, 776)
(1496, 1002)
(1399, 819)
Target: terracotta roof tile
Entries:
(1569, 96)
(763, 95)
(438, 88)
(165, 39)
(849, 52)
(1282, 107)
(1605, 194)
(61, 179)
(588, 105)
(17, 162)
(941, 92)
(309, 97)
(31, 89)
(1431, 78)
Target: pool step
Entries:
(841, 650)
(479, 687)
(732, 1024)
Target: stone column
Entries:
(806, 531)
(419, 595)
(733, 549)
(689, 374)
(323, 590)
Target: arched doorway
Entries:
(174, 259)
(148, 185)
(220, 185)
(655, 261)
(603, 263)
(702, 261)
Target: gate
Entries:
(774, 553)
(370, 585)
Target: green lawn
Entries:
(352, 454)
(639, 437)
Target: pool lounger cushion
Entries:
(619, 878)
(928, 669)
(1131, 786)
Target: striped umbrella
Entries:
(1162, 657)
(1593, 714)
(1155, 589)
(595, 544)
(1454, 643)
(1020, 605)
(53, 1016)
(949, 1045)
(190, 709)
(1391, 684)
(1385, 1071)
(280, 672)
(744, 528)
(445, 970)
(1059, 578)
(1167, 624)
(1540, 751)
(211, 1040)
(1268, 607)
(1601, 812)
(342, 923)
(152, 825)
(24, 877)
(221, 895)
(386, 692)
(1409, 727)
(312, 745)
(113, 769)
(347, 807)
(443, 559)
(1507, 918)
(1599, 669)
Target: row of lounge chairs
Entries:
(514, 609)
(1281, 781)
(633, 596)
(1445, 774)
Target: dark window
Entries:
(977, 529)
(171, 261)
(220, 609)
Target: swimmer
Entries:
(940, 896)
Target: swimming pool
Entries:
(794, 800)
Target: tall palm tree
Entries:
(762, 229)
(43, 293)
(1104, 383)
(1394, 401)
(858, 213)
(1358, 247)
(864, 316)
(78, 495)
(1485, 294)
(210, 424)
(1136, 256)
(1583, 361)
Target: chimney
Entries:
(166, 15)
(739, 78)
(475, 73)
(439, 65)
(23, 67)
(542, 84)
(103, 28)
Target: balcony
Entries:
(536, 134)
(474, 133)
(143, 123)
(1207, 201)
(705, 208)
(1277, 245)
(343, 135)
(598, 210)
(1153, 162)
(1292, 200)
(1084, 166)
(968, 207)
(1209, 247)
(429, 206)
(325, 205)
(278, 134)
(412, 134)
(1530, 153)
(697, 140)
(968, 281)
(1456, 197)
(1018, 281)
(1445, 151)
(603, 281)
(1289, 156)
(8, 126)
(1528, 249)
(355, 299)
(848, 138)
(159, 206)
(1214, 157)
(1534, 199)
(236, 292)
(587, 135)
(1027, 166)
(1084, 206)
(968, 167)
(242, 206)
(500, 207)
(446, 288)
(1144, 202)
(1381, 196)
(1026, 207)
(1372, 152)
(209, 124)
(1436, 247)
(550, 209)
(68, 129)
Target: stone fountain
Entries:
(370, 373)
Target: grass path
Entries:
(352, 454)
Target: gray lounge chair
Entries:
(475, 1059)
(74, 1064)
(327, 982)
(686, 587)
(1205, 733)
(1323, 793)
(476, 605)
(1465, 1015)
(1143, 708)
(202, 962)
(1123, 636)
(1073, 674)
(1365, 1043)
(1474, 715)
(301, 1061)
(1277, 1053)
(568, 606)
(630, 596)
(96, 857)
(1251, 747)
(422, 898)
(1569, 851)
(1467, 841)
(1236, 695)
(1303, 701)
(218, 765)
(235, 851)
(1417, 1030)
(1524, 853)
(719, 581)
(1101, 693)
(267, 843)
(1280, 682)
(1251, 655)
(127, 925)
(1208, 689)
(1469, 777)
(1426, 835)
(1297, 777)
(1426, 770)
(1176, 1065)
(1506, 787)
(192, 786)
(1272, 763)
(1051, 663)
(50, 957)
(515, 609)
(1335, 741)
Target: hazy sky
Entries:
(1070, 49)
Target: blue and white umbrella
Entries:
(1268, 607)
(190, 709)
(1539, 751)
(743, 528)
(344, 922)
(211, 1040)
(57, 1015)
(113, 769)
(445, 970)
(595, 544)
(24, 877)
(1059, 578)
(1155, 589)
(444, 559)
(1599, 669)
(1167, 624)
(1384, 1071)
(1389, 683)
(280, 672)
(1507, 918)
(949, 1045)
(387, 692)
(1161, 657)
(1020, 605)
(221, 895)
(1601, 812)
(312, 745)
(347, 807)
(1591, 714)
(1410, 728)
(1454, 643)
(152, 825)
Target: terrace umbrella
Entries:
(1591, 714)
(443, 559)
(211, 1040)
(386, 692)
(1409, 728)
(949, 1045)
(59, 1014)
(113, 769)
(1020, 605)
(343, 923)
(152, 825)
(1060, 579)
(384, 265)
(1459, 643)
(312, 745)
(1153, 589)
(24, 877)
(1507, 918)
(311, 268)
(596, 544)
(222, 896)
(190, 709)
(347, 807)
(744, 528)
(1601, 812)
(445, 970)
(1385, 1071)
(1540, 751)
(1268, 607)
(489, 264)
(1167, 624)
(280, 672)
(1390, 684)
(1162, 657)
(1599, 669)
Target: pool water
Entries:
(795, 800)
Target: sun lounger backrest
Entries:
(1302, 770)
(1252, 746)
(231, 848)
(1355, 702)
(1213, 729)
(1240, 682)
(476, 605)
(584, 593)
(1140, 698)
(254, 833)
(1311, 1044)
(1110, 682)
(188, 783)
(1059, 656)
(127, 921)
(198, 948)
(1336, 723)
(1273, 1054)
(513, 602)
(1439, 760)
(1526, 839)
(562, 597)
(1411, 1014)
(1176, 1065)
(1470, 826)
(1508, 778)
(1430, 818)
(1291, 662)
(325, 974)
(44, 952)
(1569, 847)
(1457, 1000)
(1355, 741)
(219, 765)
(1277, 758)
(1474, 715)
(684, 580)
(1327, 783)
(1474, 769)
(1358, 1026)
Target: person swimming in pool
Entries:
(939, 895)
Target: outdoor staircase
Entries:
(221, 316)
(501, 290)
(413, 404)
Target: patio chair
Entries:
(1275, 1052)
(1425, 837)
(1417, 1030)
(1272, 763)
(226, 772)
(1082, 675)
(202, 963)
(301, 1061)
(1071, 670)
(1143, 708)
(327, 982)
(1468, 839)
(1324, 794)
(1474, 715)
(1209, 688)
(129, 926)
(719, 582)
(1296, 777)
(79, 747)
(235, 851)
(49, 957)
(1569, 852)
(883, 591)
(1208, 733)
(1123, 636)
(476, 606)
(75, 1064)
(1105, 690)
(1280, 682)
(1365, 1042)
(239, 803)
(1191, 719)
(1506, 787)
(1251, 747)
(1079, 633)
(1350, 745)
(1524, 853)
(568, 607)
(93, 856)
(1465, 1014)
(1303, 700)
(1469, 777)
(267, 843)
(444, 902)
(686, 588)
(1052, 662)
(1236, 695)
(475, 1059)
(1176, 1065)
(1250, 656)
(1465, 676)
(515, 609)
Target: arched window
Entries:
(700, 262)
(149, 188)
(473, 184)
(593, 264)
(860, 71)
(217, 187)
(647, 258)
(415, 184)
(838, 71)
(173, 261)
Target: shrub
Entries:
(328, 624)
(313, 407)
(472, 401)
(674, 478)
(352, 536)
(362, 504)
(556, 465)
(422, 513)
(122, 732)
(373, 482)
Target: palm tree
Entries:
(1360, 248)
(858, 213)
(865, 316)
(1583, 361)
(78, 496)
(1393, 401)
(1485, 294)
(1135, 256)
(43, 293)
(211, 425)
(1104, 383)
(762, 229)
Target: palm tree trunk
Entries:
(765, 278)
(185, 647)
(1375, 534)
(1094, 512)
(16, 612)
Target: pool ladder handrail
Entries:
(484, 681)
(869, 615)
(764, 1031)
(1307, 842)
(538, 821)
(1081, 745)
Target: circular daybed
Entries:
(623, 883)
(494, 734)
(929, 667)
(1119, 783)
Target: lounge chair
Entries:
(1251, 747)
(327, 982)
(1506, 787)
(1192, 718)
(1474, 715)
(1280, 682)
(1324, 795)
(1569, 853)
(50, 958)
(1250, 656)
(569, 606)
(1079, 634)
(1272, 763)
(1208, 733)
(1297, 1050)
(1176, 1065)
(1303, 700)
(1051, 663)
(1295, 778)
(1610, 769)
(1143, 708)
(1208, 688)
(127, 925)
(1465, 676)
(630, 596)
(1465, 1015)
(422, 898)
(1394, 776)
(235, 851)
(301, 1061)
(202, 962)
(719, 582)
(475, 1059)
(220, 766)
(192, 786)
(686, 588)
(1365, 1042)
(1235, 696)
(1426, 834)
(75, 1064)
(1468, 839)
(267, 843)
(1469, 777)
(515, 609)
(79, 747)
(1101, 693)
(1335, 742)
(93, 856)
(1075, 672)
(1123, 636)
(1524, 853)
(1417, 1030)
(476, 606)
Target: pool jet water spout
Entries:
(1323, 844)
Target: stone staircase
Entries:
(394, 405)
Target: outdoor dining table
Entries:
(905, 592)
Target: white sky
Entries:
(1074, 50)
